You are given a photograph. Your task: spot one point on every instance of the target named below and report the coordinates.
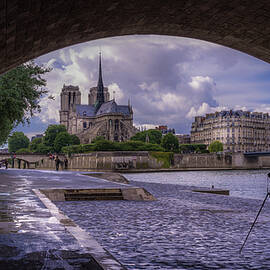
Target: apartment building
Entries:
(239, 131)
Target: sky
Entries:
(169, 80)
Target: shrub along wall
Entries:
(104, 145)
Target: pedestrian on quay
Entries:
(6, 164)
(57, 162)
(66, 163)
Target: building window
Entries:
(84, 125)
(116, 123)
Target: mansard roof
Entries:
(106, 107)
(237, 113)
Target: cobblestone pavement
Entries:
(181, 230)
(30, 237)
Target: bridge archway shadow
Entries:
(40, 27)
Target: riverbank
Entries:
(181, 230)
(34, 234)
(155, 161)
(141, 161)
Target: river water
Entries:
(183, 229)
(242, 183)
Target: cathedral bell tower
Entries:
(70, 96)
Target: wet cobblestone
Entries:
(30, 236)
(181, 230)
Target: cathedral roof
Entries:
(106, 107)
(86, 110)
(124, 109)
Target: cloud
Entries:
(115, 92)
(203, 109)
(169, 80)
(198, 82)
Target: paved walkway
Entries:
(31, 236)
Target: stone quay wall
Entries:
(196, 161)
(141, 161)
(106, 161)
(220, 161)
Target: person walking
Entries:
(57, 162)
(66, 163)
(6, 164)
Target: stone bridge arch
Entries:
(29, 29)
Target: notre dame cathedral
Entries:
(101, 117)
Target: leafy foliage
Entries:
(17, 141)
(165, 157)
(34, 144)
(51, 132)
(98, 138)
(20, 88)
(191, 148)
(43, 149)
(23, 151)
(37, 146)
(170, 142)
(215, 147)
(154, 136)
(105, 145)
(74, 140)
(62, 139)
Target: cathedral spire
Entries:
(100, 87)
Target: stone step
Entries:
(127, 193)
(93, 196)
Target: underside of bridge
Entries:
(30, 28)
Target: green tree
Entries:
(43, 149)
(170, 142)
(51, 132)
(34, 144)
(154, 136)
(62, 139)
(74, 140)
(23, 151)
(21, 89)
(215, 147)
(17, 141)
